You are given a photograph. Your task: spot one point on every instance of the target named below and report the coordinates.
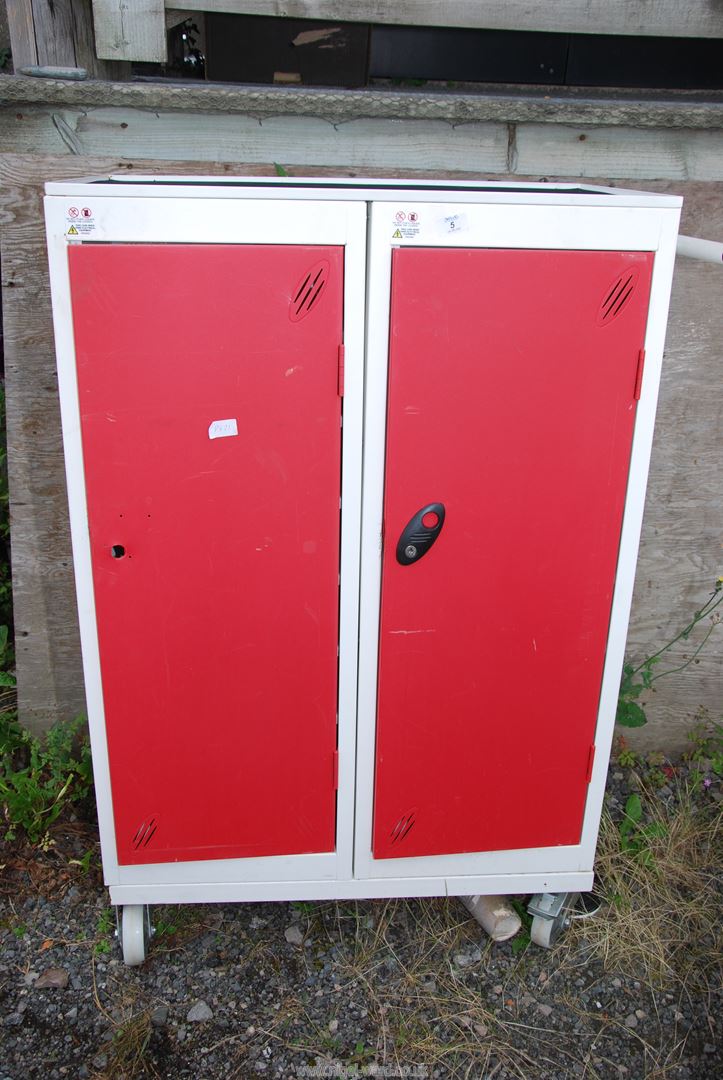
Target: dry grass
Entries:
(662, 917)
(129, 1048)
(426, 1009)
(661, 925)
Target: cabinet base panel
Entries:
(369, 889)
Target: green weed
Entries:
(706, 746)
(39, 778)
(522, 939)
(639, 677)
(635, 837)
(85, 862)
(104, 932)
(627, 758)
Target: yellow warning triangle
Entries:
(396, 235)
(72, 231)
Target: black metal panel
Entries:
(420, 52)
(261, 49)
(670, 63)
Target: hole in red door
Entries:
(430, 520)
(117, 551)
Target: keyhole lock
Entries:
(420, 533)
(117, 551)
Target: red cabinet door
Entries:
(210, 420)
(511, 402)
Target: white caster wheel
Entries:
(551, 915)
(135, 933)
(545, 932)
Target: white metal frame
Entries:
(148, 209)
(368, 189)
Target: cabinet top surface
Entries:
(354, 189)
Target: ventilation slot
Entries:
(309, 292)
(617, 296)
(144, 833)
(403, 827)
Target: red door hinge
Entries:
(336, 770)
(340, 372)
(590, 760)
(639, 375)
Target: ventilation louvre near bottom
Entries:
(403, 827)
(144, 833)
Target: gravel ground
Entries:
(399, 988)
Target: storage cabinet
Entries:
(356, 473)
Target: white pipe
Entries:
(494, 914)
(706, 250)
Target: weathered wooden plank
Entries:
(54, 32)
(85, 54)
(525, 149)
(57, 33)
(680, 547)
(130, 30)
(135, 29)
(695, 18)
(629, 152)
(414, 144)
(685, 109)
(22, 32)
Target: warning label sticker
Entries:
(406, 225)
(80, 221)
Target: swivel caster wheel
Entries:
(545, 932)
(135, 933)
(551, 914)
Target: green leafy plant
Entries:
(522, 938)
(38, 778)
(85, 862)
(636, 837)
(165, 929)
(639, 677)
(626, 756)
(706, 745)
(7, 678)
(306, 907)
(104, 932)
(361, 1054)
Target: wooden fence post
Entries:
(58, 33)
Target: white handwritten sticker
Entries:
(221, 429)
(455, 223)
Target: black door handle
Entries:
(421, 532)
